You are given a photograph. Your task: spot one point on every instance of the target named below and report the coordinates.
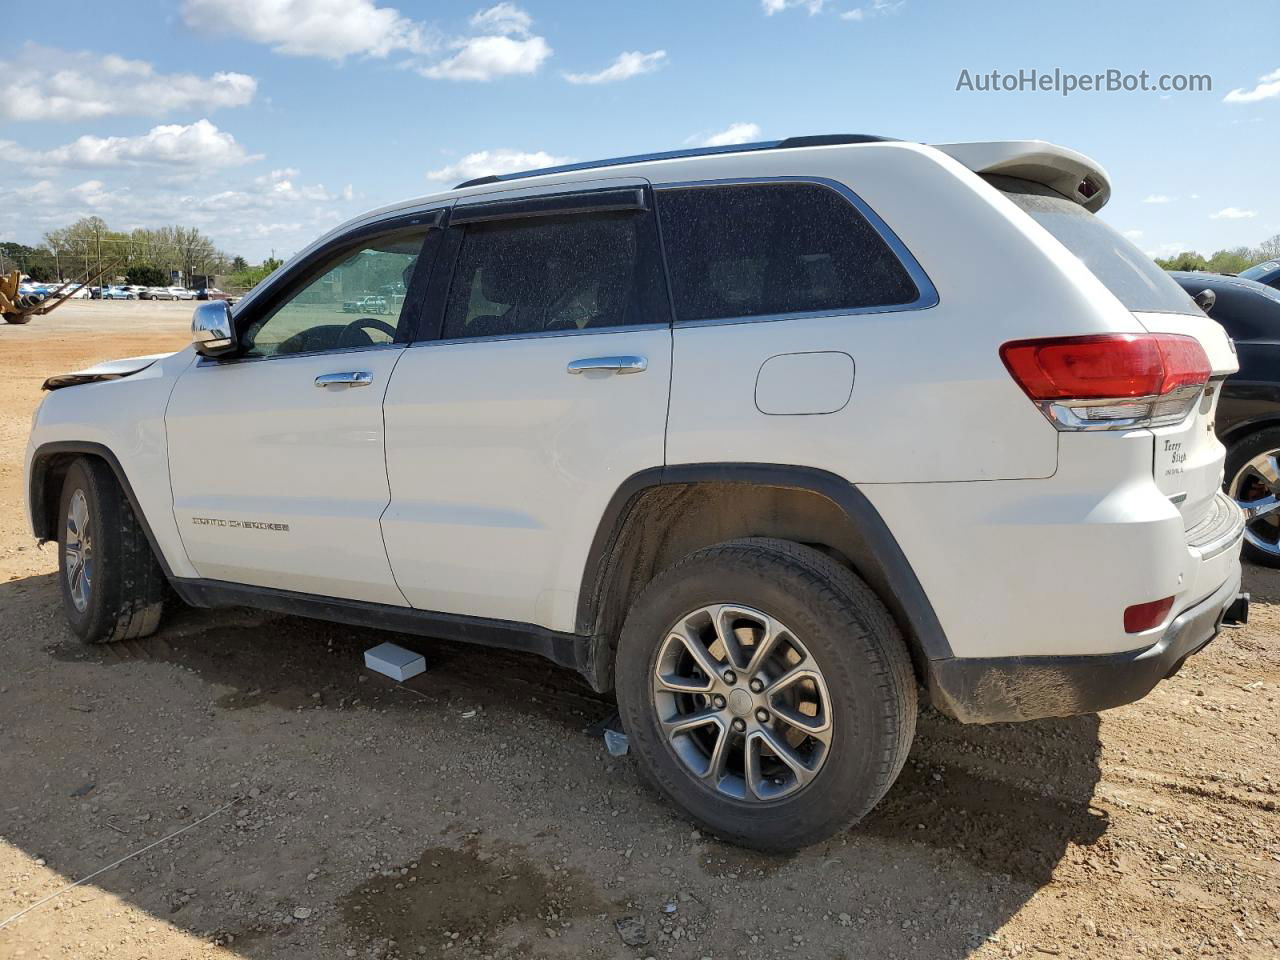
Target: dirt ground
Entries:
(473, 813)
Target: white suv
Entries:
(771, 439)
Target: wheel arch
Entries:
(49, 465)
(1239, 431)
(659, 515)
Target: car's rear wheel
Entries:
(112, 587)
(1253, 479)
(766, 691)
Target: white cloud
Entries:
(627, 65)
(1158, 198)
(486, 58)
(505, 18)
(1268, 86)
(200, 144)
(730, 135)
(1233, 213)
(332, 29)
(502, 43)
(856, 14)
(43, 83)
(771, 7)
(485, 162)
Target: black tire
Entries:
(1238, 456)
(856, 645)
(17, 318)
(126, 590)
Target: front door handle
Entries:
(609, 364)
(352, 378)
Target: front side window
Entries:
(549, 274)
(355, 300)
(748, 250)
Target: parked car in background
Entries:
(211, 293)
(118, 293)
(1248, 420)
(170, 293)
(152, 293)
(366, 305)
(1267, 272)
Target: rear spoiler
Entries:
(1071, 174)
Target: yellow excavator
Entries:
(17, 307)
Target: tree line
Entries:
(1224, 261)
(140, 256)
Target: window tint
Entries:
(551, 273)
(1125, 270)
(774, 248)
(354, 301)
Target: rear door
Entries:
(541, 386)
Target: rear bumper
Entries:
(993, 689)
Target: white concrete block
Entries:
(394, 661)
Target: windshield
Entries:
(1126, 271)
(1260, 270)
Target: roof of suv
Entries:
(1072, 174)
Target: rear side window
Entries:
(749, 250)
(1125, 270)
(556, 273)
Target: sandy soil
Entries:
(472, 813)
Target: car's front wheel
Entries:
(112, 587)
(766, 691)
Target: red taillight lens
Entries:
(1144, 616)
(1106, 380)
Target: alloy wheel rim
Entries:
(78, 551)
(742, 703)
(1257, 484)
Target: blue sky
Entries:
(264, 122)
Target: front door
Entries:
(546, 387)
(276, 455)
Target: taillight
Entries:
(1110, 381)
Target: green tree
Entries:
(1187, 260)
(239, 264)
(147, 275)
(1231, 261)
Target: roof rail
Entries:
(820, 140)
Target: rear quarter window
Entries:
(1125, 270)
(751, 250)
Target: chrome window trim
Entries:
(541, 334)
(336, 352)
(927, 294)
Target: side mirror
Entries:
(212, 332)
(1205, 300)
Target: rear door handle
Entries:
(351, 378)
(609, 364)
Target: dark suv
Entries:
(1248, 420)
